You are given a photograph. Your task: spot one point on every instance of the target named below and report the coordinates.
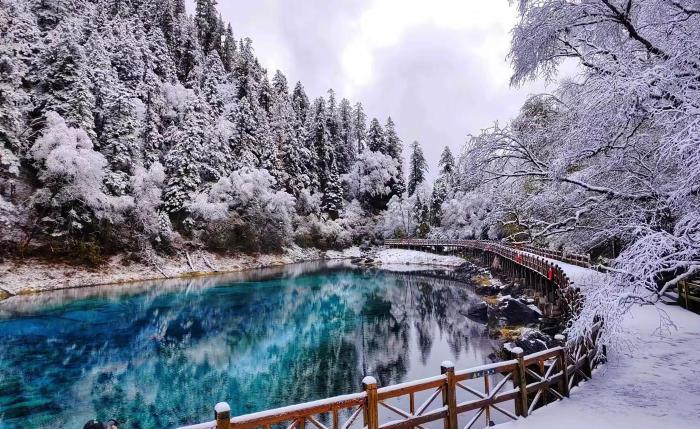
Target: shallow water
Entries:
(161, 354)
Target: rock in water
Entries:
(478, 312)
(516, 312)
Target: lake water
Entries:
(161, 354)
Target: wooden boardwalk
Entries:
(457, 398)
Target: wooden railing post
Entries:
(587, 363)
(563, 365)
(222, 415)
(449, 394)
(522, 381)
(371, 411)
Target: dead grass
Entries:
(482, 280)
(510, 333)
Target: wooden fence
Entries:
(461, 398)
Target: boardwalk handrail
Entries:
(535, 379)
(582, 260)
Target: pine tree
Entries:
(326, 169)
(394, 148)
(360, 127)
(120, 138)
(376, 140)
(213, 77)
(229, 49)
(446, 165)
(243, 143)
(182, 162)
(421, 217)
(64, 85)
(246, 71)
(207, 20)
(346, 147)
(418, 168)
(442, 186)
(332, 201)
(300, 103)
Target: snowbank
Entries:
(35, 275)
(653, 385)
(395, 258)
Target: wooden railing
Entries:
(551, 271)
(510, 388)
(580, 260)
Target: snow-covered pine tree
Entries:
(360, 127)
(326, 169)
(207, 21)
(243, 142)
(443, 185)
(293, 156)
(417, 168)
(229, 49)
(394, 148)
(376, 140)
(61, 72)
(182, 162)
(300, 103)
(213, 77)
(346, 147)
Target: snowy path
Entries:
(655, 385)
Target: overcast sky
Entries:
(438, 68)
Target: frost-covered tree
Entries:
(360, 127)
(246, 212)
(376, 140)
(371, 179)
(394, 148)
(418, 167)
(346, 145)
(442, 186)
(609, 162)
(72, 200)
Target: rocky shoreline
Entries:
(505, 310)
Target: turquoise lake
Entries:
(161, 354)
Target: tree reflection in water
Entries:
(162, 356)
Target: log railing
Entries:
(459, 399)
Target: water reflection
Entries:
(160, 355)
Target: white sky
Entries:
(438, 68)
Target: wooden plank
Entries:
(410, 387)
(431, 416)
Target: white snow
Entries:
(222, 407)
(654, 384)
(414, 257)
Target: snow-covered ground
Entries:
(655, 384)
(401, 259)
(31, 276)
